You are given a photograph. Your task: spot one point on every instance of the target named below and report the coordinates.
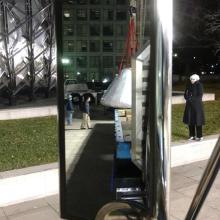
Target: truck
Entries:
(78, 91)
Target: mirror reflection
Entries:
(99, 40)
(94, 44)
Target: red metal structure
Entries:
(131, 44)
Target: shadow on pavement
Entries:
(96, 113)
(89, 187)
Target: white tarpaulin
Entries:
(118, 94)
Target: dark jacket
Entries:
(194, 113)
(69, 105)
(86, 107)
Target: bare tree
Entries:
(196, 28)
(212, 19)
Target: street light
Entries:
(65, 61)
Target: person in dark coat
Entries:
(86, 114)
(194, 113)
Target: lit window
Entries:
(107, 46)
(66, 15)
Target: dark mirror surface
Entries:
(93, 37)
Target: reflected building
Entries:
(94, 37)
(27, 58)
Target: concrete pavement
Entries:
(184, 181)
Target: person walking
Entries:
(194, 114)
(69, 110)
(86, 114)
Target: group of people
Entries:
(84, 107)
(193, 113)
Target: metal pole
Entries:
(205, 184)
(58, 7)
(158, 140)
(28, 5)
(9, 61)
(50, 37)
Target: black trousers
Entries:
(195, 131)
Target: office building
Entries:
(94, 36)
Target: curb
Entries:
(31, 183)
(26, 184)
(192, 151)
(28, 112)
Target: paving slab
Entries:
(181, 196)
(182, 193)
(23, 207)
(2, 214)
(44, 213)
(53, 202)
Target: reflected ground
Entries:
(89, 163)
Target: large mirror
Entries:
(112, 152)
(99, 44)
(93, 36)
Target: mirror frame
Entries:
(58, 4)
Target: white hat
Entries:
(194, 77)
